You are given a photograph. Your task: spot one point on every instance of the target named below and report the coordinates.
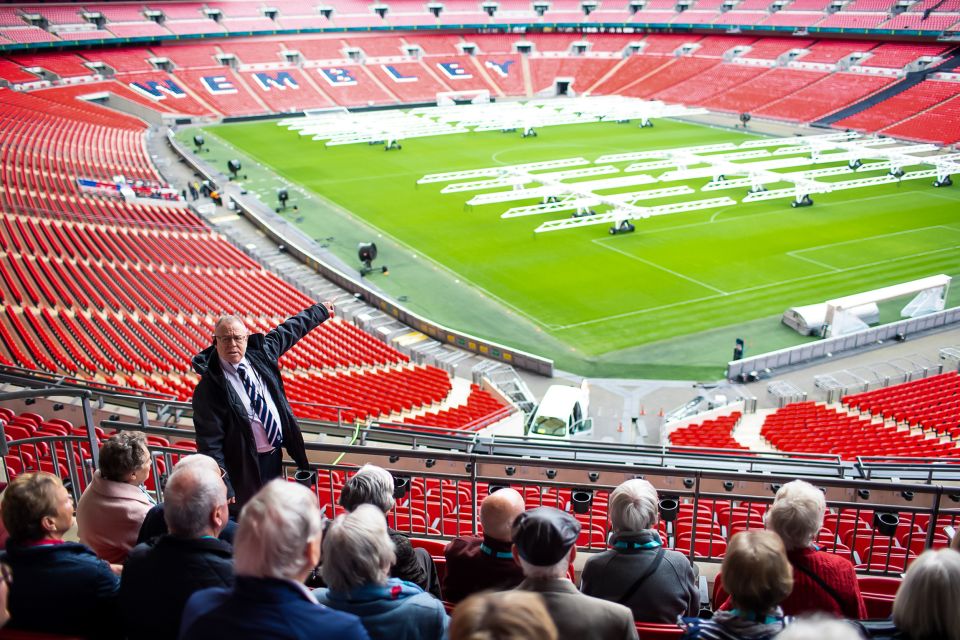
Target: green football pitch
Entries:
(666, 301)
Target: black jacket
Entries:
(154, 525)
(219, 417)
(158, 579)
(62, 588)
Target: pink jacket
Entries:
(109, 516)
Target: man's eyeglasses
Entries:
(239, 339)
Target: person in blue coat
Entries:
(49, 573)
(358, 554)
(276, 548)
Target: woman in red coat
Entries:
(823, 582)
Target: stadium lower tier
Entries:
(438, 503)
(917, 419)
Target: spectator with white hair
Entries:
(277, 546)
(543, 544)
(359, 553)
(820, 628)
(658, 585)
(758, 576)
(823, 582)
(160, 576)
(374, 485)
(925, 607)
(476, 564)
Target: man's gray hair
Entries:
(357, 549)
(558, 570)
(926, 603)
(193, 491)
(633, 506)
(370, 485)
(275, 527)
(797, 514)
(228, 318)
(819, 628)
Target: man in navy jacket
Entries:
(58, 587)
(277, 546)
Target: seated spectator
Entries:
(159, 577)
(757, 575)
(822, 582)
(59, 587)
(359, 553)
(113, 506)
(155, 525)
(658, 585)
(820, 628)
(477, 564)
(543, 544)
(504, 615)
(925, 607)
(374, 485)
(277, 546)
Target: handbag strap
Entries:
(646, 574)
(823, 585)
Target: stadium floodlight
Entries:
(234, 167)
(367, 253)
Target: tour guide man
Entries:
(240, 412)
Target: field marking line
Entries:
(601, 243)
(681, 303)
(793, 254)
(881, 235)
(413, 251)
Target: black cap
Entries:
(544, 535)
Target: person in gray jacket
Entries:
(657, 584)
(543, 545)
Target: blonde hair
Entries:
(926, 604)
(504, 615)
(797, 514)
(756, 572)
(26, 501)
(275, 527)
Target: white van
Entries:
(562, 413)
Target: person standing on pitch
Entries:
(240, 411)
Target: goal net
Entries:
(474, 96)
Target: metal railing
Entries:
(876, 503)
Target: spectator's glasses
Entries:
(237, 338)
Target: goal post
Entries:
(467, 96)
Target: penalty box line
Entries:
(601, 242)
(796, 254)
(627, 314)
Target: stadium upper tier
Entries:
(123, 293)
(84, 22)
(781, 78)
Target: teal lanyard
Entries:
(753, 617)
(500, 555)
(653, 544)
